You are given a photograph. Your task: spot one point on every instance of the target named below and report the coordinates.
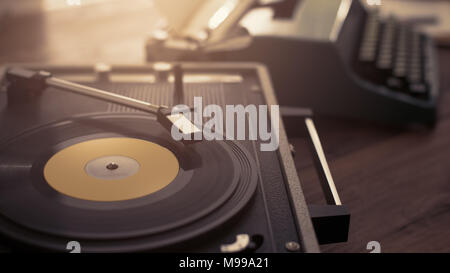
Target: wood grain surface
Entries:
(395, 181)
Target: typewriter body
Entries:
(335, 56)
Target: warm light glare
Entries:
(373, 2)
(221, 14)
(61, 4)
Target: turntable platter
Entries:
(57, 184)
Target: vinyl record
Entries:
(198, 187)
(111, 169)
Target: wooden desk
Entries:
(396, 182)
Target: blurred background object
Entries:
(385, 68)
(431, 16)
(63, 31)
(434, 13)
(14, 7)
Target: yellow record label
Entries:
(111, 169)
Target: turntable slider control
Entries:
(178, 93)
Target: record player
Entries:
(96, 167)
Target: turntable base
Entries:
(113, 179)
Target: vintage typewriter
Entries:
(337, 56)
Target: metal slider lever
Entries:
(331, 221)
(28, 81)
(327, 182)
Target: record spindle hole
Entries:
(112, 166)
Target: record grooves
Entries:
(216, 179)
